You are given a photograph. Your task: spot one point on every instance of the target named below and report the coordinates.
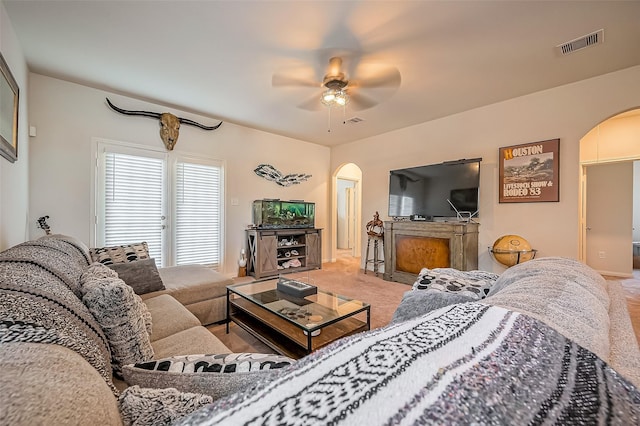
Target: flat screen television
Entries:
(424, 190)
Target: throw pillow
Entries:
(123, 318)
(418, 303)
(215, 375)
(142, 276)
(120, 254)
(97, 270)
(474, 284)
(142, 407)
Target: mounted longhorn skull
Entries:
(169, 124)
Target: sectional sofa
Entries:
(56, 351)
(550, 343)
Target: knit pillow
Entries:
(124, 319)
(98, 270)
(215, 375)
(152, 407)
(473, 284)
(120, 254)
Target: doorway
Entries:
(346, 222)
(610, 199)
(346, 209)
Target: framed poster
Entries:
(530, 172)
(9, 95)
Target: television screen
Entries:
(424, 190)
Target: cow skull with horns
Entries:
(169, 124)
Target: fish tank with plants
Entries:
(283, 214)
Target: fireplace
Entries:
(410, 246)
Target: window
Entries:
(138, 188)
(198, 213)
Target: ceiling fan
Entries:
(338, 89)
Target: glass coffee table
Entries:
(290, 325)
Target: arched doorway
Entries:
(346, 218)
(610, 194)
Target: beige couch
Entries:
(200, 289)
(51, 355)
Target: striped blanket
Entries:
(463, 364)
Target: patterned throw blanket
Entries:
(463, 364)
(40, 300)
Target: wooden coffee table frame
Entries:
(285, 336)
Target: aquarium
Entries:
(283, 214)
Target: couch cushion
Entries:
(194, 283)
(564, 293)
(49, 384)
(120, 254)
(123, 318)
(195, 340)
(151, 407)
(209, 311)
(168, 316)
(625, 353)
(141, 275)
(217, 375)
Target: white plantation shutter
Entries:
(133, 201)
(198, 213)
(137, 188)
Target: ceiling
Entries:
(218, 58)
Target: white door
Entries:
(351, 218)
(608, 217)
(345, 232)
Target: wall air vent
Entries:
(592, 39)
(354, 120)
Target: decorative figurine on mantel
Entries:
(375, 227)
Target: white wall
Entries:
(67, 116)
(14, 177)
(567, 112)
(615, 139)
(636, 201)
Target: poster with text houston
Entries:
(529, 172)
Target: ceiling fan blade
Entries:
(361, 102)
(389, 77)
(279, 80)
(312, 104)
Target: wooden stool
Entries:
(375, 260)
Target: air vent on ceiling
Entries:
(354, 120)
(592, 39)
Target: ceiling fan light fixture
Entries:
(342, 98)
(329, 97)
(335, 97)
